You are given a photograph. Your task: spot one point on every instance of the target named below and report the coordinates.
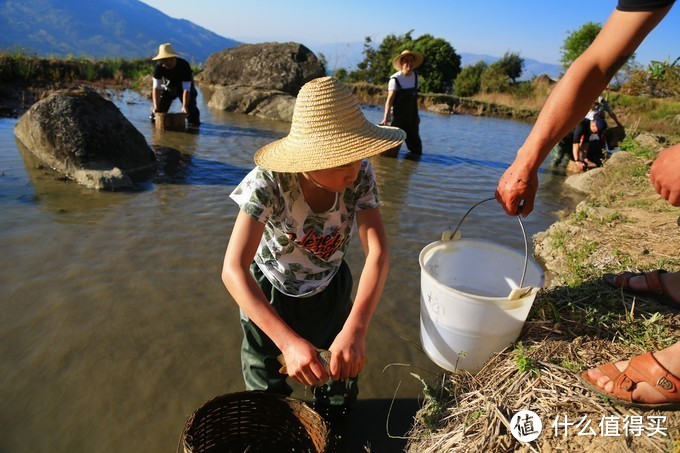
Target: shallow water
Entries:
(115, 324)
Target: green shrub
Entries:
(495, 80)
(469, 80)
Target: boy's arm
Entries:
(349, 347)
(300, 355)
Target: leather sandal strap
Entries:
(622, 280)
(645, 368)
(654, 282)
(610, 370)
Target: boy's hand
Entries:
(348, 355)
(303, 365)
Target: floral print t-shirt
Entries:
(300, 250)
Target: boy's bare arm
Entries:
(349, 347)
(300, 355)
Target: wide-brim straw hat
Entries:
(418, 59)
(328, 130)
(165, 51)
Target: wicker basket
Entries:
(170, 121)
(254, 421)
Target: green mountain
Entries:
(100, 29)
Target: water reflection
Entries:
(64, 200)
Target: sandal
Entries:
(642, 368)
(655, 287)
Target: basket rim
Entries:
(298, 407)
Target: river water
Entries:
(115, 324)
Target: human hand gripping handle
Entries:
(303, 364)
(348, 355)
(516, 190)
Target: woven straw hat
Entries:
(165, 51)
(328, 130)
(414, 53)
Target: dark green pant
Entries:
(318, 319)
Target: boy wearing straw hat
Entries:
(284, 264)
(173, 78)
(402, 98)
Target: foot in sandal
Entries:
(647, 381)
(659, 284)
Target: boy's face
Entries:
(593, 126)
(337, 179)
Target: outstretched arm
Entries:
(569, 102)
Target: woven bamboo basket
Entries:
(170, 121)
(254, 421)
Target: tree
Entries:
(512, 65)
(495, 80)
(578, 41)
(341, 74)
(440, 68)
(376, 67)
(469, 80)
(441, 65)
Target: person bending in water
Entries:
(284, 264)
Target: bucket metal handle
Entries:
(515, 293)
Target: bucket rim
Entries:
(497, 299)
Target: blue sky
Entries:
(534, 29)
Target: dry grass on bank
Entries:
(576, 323)
(534, 102)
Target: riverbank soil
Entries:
(576, 323)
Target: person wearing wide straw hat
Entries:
(284, 264)
(402, 98)
(173, 78)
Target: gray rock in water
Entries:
(260, 79)
(269, 104)
(271, 66)
(84, 137)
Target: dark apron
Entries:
(405, 115)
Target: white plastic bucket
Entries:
(475, 298)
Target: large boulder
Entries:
(260, 79)
(270, 104)
(271, 66)
(588, 181)
(84, 137)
